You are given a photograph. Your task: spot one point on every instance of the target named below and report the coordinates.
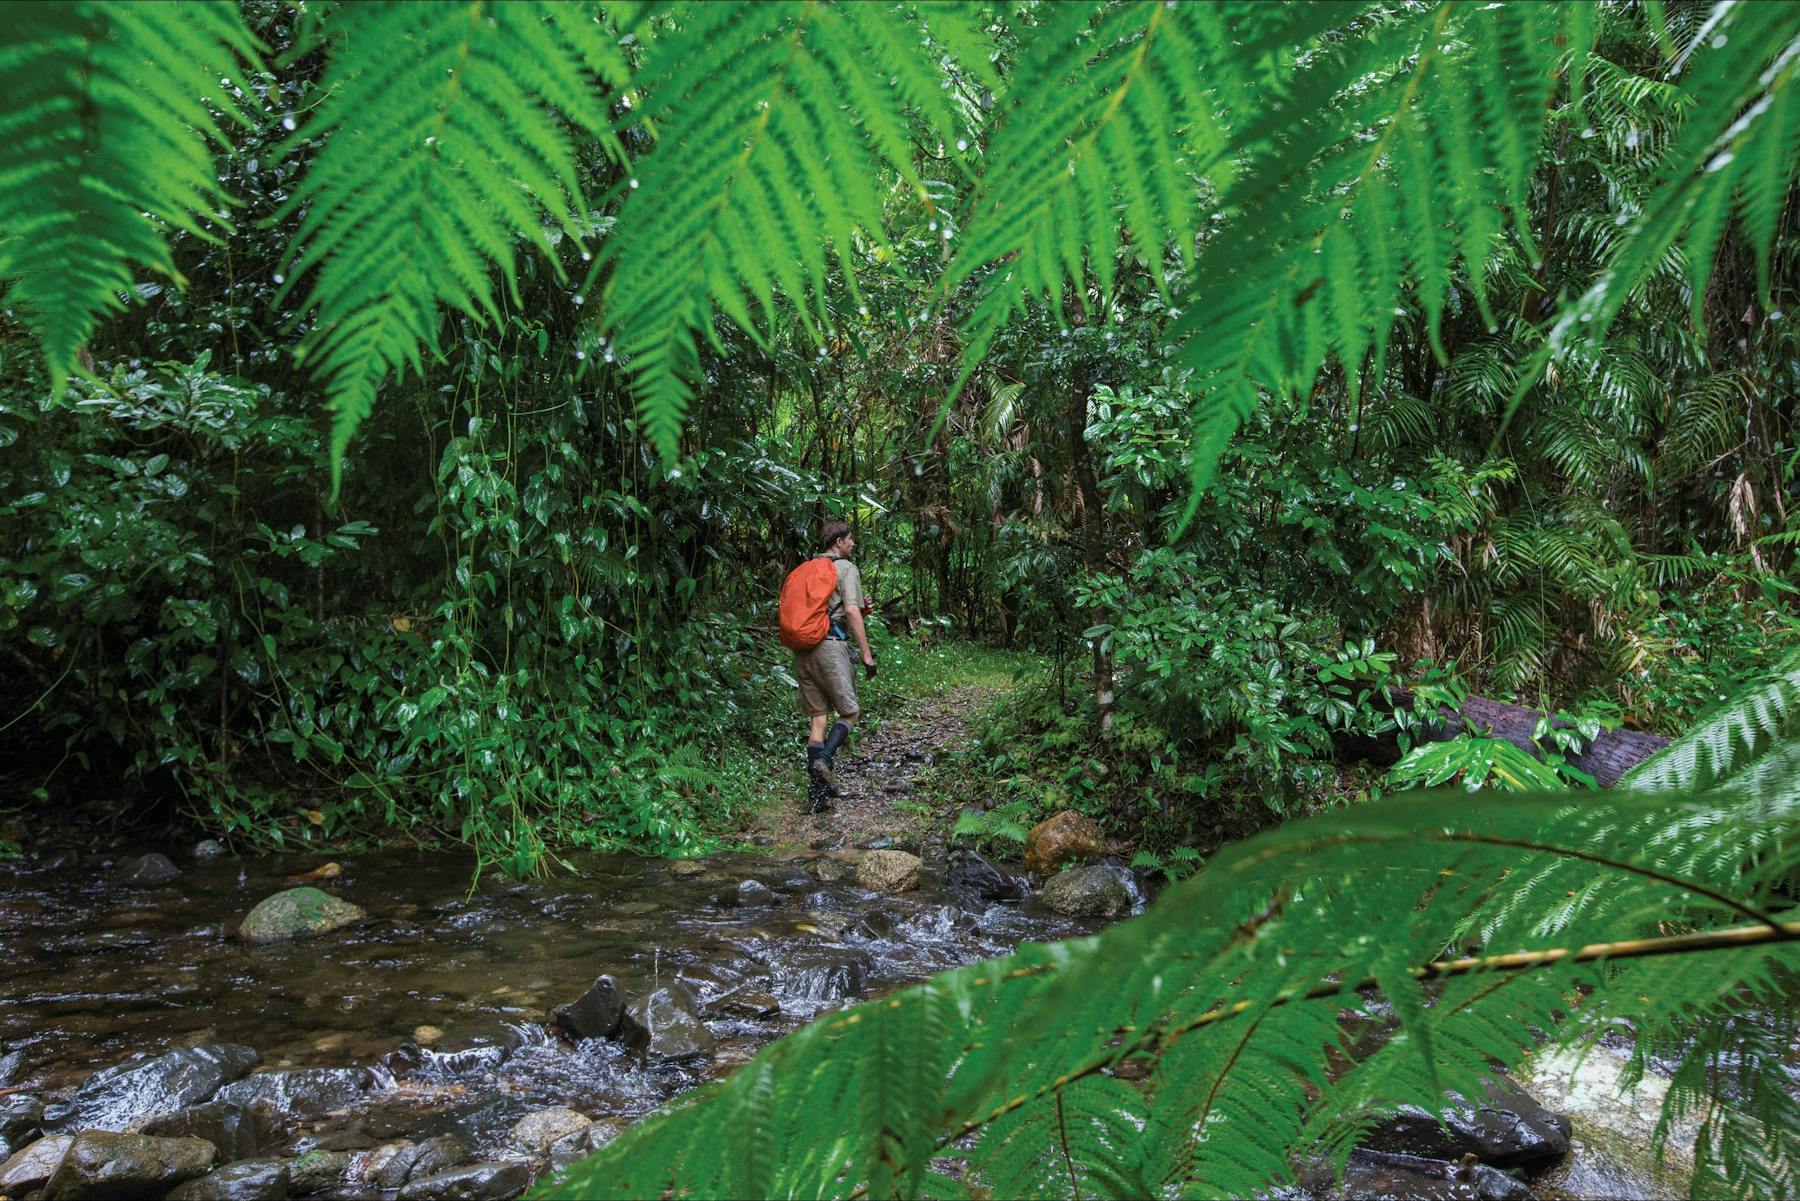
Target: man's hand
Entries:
(868, 667)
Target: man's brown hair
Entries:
(833, 530)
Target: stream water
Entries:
(433, 1015)
(93, 972)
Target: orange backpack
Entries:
(805, 595)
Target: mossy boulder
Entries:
(297, 912)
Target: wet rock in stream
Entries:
(318, 1171)
(20, 1116)
(538, 1132)
(665, 1027)
(1372, 1175)
(146, 870)
(238, 1131)
(246, 1180)
(301, 1092)
(746, 894)
(1091, 891)
(1062, 838)
(296, 912)
(476, 1182)
(970, 872)
(888, 871)
(596, 1013)
(12, 1066)
(29, 1167)
(1506, 1129)
(100, 1164)
(113, 1098)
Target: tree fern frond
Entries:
(112, 119)
(435, 162)
(1718, 746)
(772, 121)
(1414, 106)
(1232, 985)
(1741, 70)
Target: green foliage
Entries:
(1737, 745)
(772, 123)
(112, 121)
(1035, 1054)
(434, 162)
(1354, 157)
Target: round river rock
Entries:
(295, 912)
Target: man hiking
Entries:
(826, 672)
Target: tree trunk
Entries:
(1093, 545)
(1610, 756)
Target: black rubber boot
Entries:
(819, 787)
(840, 730)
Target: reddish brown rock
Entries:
(1063, 838)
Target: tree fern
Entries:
(1555, 910)
(773, 125)
(443, 145)
(112, 118)
(1733, 739)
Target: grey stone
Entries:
(12, 1067)
(389, 1165)
(789, 879)
(596, 1013)
(296, 912)
(665, 1027)
(246, 1180)
(300, 1092)
(830, 871)
(972, 873)
(439, 1154)
(318, 1171)
(745, 1002)
(1091, 891)
(30, 1166)
(538, 1132)
(115, 1097)
(579, 1145)
(100, 1164)
(816, 977)
(746, 894)
(20, 1115)
(238, 1131)
(1506, 1129)
(888, 871)
(476, 1182)
(210, 848)
(683, 868)
(1408, 1178)
(150, 869)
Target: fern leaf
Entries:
(435, 162)
(107, 139)
(1720, 745)
(772, 121)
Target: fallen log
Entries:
(1609, 756)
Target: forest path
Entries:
(875, 775)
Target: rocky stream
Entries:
(187, 1024)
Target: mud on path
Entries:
(875, 771)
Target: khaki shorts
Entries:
(827, 675)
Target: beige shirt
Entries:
(849, 592)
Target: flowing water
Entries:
(93, 973)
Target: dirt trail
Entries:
(873, 772)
